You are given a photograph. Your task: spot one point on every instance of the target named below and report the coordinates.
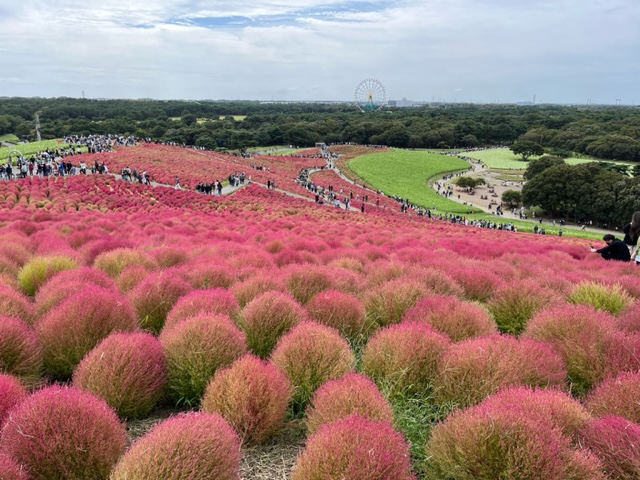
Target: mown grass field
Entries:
(31, 148)
(503, 158)
(9, 137)
(406, 174)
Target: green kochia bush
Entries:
(194, 445)
(310, 354)
(610, 298)
(353, 393)
(194, 349)
(127, 370)
(354, 448)
(73, 328)
(40, 269)
(63, 432)
(252, 395)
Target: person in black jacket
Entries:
(614, 250)
(631, 235)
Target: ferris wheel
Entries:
(370, 95)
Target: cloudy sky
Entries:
(561, 51)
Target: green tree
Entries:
(527, 149)
(513, 198)
(538, 165)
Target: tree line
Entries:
(605, 132)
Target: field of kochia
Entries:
(149, 332)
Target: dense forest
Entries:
(605, 132)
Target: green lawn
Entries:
(28, 149)
(9, 137)
(406, 174)
(503, 158)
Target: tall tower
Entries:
(37, 115)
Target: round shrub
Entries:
(14, 304)
(40, 269)
(166, 257)
(452, 317)
(207, 275)
(126, 370)
(609, 298)
(252, 287)
(213, 301)
(404, 356)
(387, 303)
(304, 281)
(12, 392)
(10, 470)
(471, 370)
(70, 330)
(267, 317)
(354, 448)
(114, 261)
(437, 281)
(478, 283)
(192, 445)
(353, 393)
(545, 404)
(629, 318)
(154, 297)
(63, 432)
(20, 349)
(194, 349)
(130, 277)
(339, 310)
(581, 335)
(252, 395)
(480, 442)
(66, 283)
(310, 354)
(515, 303)
(617, 396)
(616, 443)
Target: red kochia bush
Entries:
(629, 318)
(10, 470)
(477, 282)
(63, 432)
(126, 370)
(74, 327)
(215, 301)
(188, 446)
(480, 442)
(11, 393)
(194, 349)
(304, 281)
(583, 337)
(130, 277)
(339, 310)
(452, 317)
(404, 356)
(14, 304)
(353, 393)
(617, 396)
(267, 317)
(20, 349)
(616, 443)
(309, 355)
(354, 448)
(252, 395)
(252, 287)
(387, 303)
(473, 369)
(154, 297)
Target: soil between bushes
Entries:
(272, 461)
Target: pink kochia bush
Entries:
(339, 310)
(11, 393)
(154, 297)
(484, 442)
(63, 432)
(473, 369)
(250, 288)
(267, 317)
(354, 448)
(452, 317)
(215, 300)
(629, 318)
(126, 370)
(194, 349)
(387, 303)
(310, 354)
(20, 349)
(584, 337)
(616, 443)
(252, 395)
(353, 393)
(10, 469)
(73, 328)
(304, 281)
(191, 445)
(404, 356)
(14, 304)
(617, 396)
